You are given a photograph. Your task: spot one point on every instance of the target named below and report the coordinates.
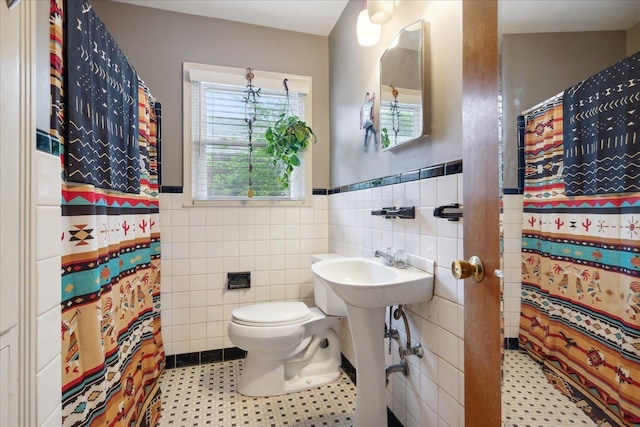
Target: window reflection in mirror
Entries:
(403, 72)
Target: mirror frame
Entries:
(425, 77)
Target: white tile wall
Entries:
(512, 226)
(433, 393)
(48, 343)
(200, 245)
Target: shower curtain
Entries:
(580, 313)
(104, 116)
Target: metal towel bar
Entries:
(407, 212)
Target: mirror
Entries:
(403, 80)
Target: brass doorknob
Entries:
(463, 269)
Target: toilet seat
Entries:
(271, 314)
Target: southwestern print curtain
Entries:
(112, 351)
(580, 313)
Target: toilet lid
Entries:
(271, 314)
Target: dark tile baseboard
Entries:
(47, 143)
(348, 369)
(511, 343)
(392, 420)
(203, 357)
(449, 168)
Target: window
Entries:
(217, 136)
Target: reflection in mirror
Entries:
(403, 77)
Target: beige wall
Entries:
(158, 42)
(355, 71)
(43, 89)
(536, 67)
(633, 39)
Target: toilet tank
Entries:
(325, 299)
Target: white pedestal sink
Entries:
(367, 287)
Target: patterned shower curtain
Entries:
(580, 313)
(104, 116)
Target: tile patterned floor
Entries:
(205, 396)
(528, 400)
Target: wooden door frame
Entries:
(482, 326)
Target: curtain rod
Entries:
(546, 101)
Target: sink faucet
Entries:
(391, 259)
(398, 367)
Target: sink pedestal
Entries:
(368, 341)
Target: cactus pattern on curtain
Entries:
(580, 313)
(112, 351)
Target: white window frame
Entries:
(236, 76)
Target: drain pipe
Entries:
(403, 367)
(390, 332)
(410, 350)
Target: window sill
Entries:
(247, 203)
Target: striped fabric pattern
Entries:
(112, 352)
(580, 311)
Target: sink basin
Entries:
(368, 283)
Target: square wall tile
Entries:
(48, 386)
(448, 377)
(447, 190)
(48, 179)
(48, 229)
(448, 409)
(48, 278)
(177, 201)
(54, 418)
(179, 218)
(48, 342)
(447, 347)
(197, 217)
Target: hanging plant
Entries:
(288, 137)
(385, 138)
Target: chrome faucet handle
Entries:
(388, 258)
(400, 258)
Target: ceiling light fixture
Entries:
(380, 11)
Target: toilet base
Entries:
(254, 388)
(315, 366)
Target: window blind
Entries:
(410, 121)
(220, 142)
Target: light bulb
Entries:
(368, 33)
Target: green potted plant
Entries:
(385, 141)
(288, 137)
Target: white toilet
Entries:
(290, 347)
